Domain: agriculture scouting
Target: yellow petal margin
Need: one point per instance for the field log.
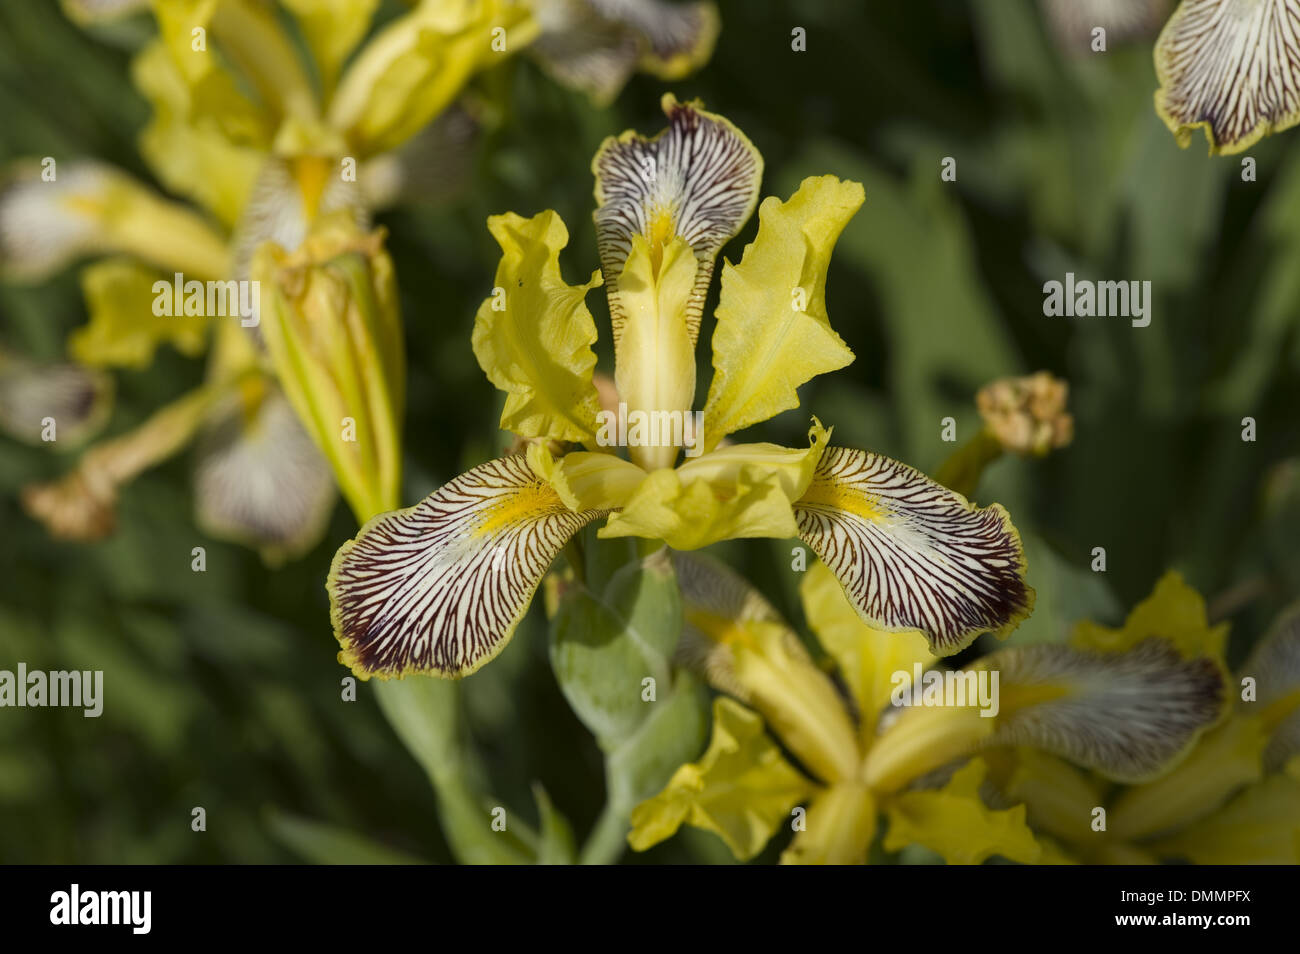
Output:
(439, 588)
(1232, 68)
(742, 789)
(773, 334)
(912, 554)
(957, 824)
(533, 334)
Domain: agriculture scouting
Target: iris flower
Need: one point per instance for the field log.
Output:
(1234, 799)
(264, 142)
(786, 734)
(1232, 68)
(439, 588)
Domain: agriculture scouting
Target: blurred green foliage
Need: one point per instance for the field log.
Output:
(222, 688)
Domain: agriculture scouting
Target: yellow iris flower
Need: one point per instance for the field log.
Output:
(440, 587)
(273, 147)
(889, 748)
(1234, 799)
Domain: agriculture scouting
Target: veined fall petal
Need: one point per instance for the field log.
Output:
(439, 588)
(596, 45)
(1232, 68)
(533, 335)
(773, 334)
(697, 180)
(912, 554)
(1128, 714)
(741, 788)
(259, 478)
(1072, 21)
(1274, 664)
(88, 208)
(77, 399)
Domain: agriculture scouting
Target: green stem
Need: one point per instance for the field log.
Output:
(608, 839)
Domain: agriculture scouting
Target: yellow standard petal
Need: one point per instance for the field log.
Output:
(533, 335)
(742, 789)
(868, 658)
(738, 492)
(697, 180)
(439, 588)
(416, 66)
(911, 554)
(957, 824)
(1232, 68)
(206, 140)
(773, 334)
(332, 29)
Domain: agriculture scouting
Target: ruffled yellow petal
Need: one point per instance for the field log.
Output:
(439, 588)
(911, 554)
(533, 336)
(773, 334)
(1174, 612)
(697, 180)
(868, 658)
(125, 329)
(1231, 67)
(1128, 715)
(741, 789)
(956, 823)
(416, 66)
(736, 492)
